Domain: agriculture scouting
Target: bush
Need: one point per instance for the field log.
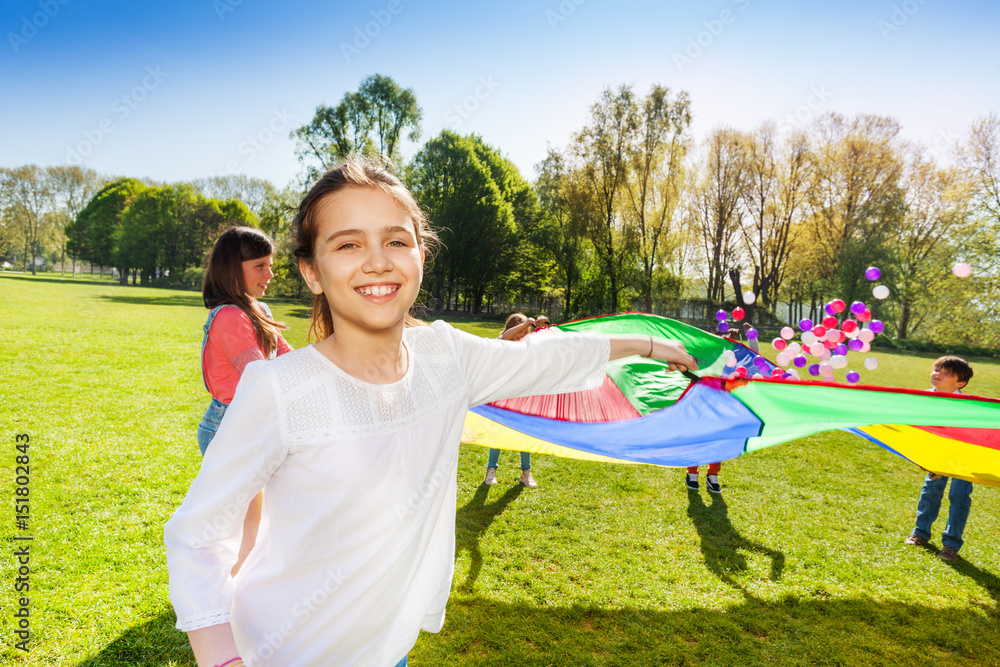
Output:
(936, 348)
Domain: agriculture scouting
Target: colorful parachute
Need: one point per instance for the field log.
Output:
(642, 414)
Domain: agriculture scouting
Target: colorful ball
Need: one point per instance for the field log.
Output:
(840, 349)
(858, 307)
(741, 371)
(856, 344)
(853, 377)
(872, 273)
(738, 313)
(866, 335)
(805, 324)
(849, 326)
(800, 361)
(962, 270)
(830, 322)
(864, 315)
(752, 334)
(833, 335)
(838, 361)
(876, 326)
(749, 297)
(779, 344)
(814, 369)
(783, 359)
(838, 306)
(808, 338)
(721, 316)
(723, 327)
(880, 292)
(871, 363)
(826, 369)
(787, 333)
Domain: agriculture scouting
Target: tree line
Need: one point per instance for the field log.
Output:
(632, 214)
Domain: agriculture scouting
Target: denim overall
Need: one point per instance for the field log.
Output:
(216, 409)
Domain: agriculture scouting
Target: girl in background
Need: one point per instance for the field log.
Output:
(240, 329)
(356, 441)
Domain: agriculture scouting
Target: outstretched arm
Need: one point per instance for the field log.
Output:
(213, 645)
(670, 351)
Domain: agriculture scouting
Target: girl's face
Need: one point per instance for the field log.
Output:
(257, 274)
(366, 260)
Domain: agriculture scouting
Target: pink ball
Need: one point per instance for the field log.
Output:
(849, 326)
(738, 313)
(838, 305)
(864, 315)
(830, 322)
(779, 344)
(962, 270)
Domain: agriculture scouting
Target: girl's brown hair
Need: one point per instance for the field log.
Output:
(360, 172)
(223, 281)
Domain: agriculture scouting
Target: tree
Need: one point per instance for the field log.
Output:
(30, 197)
(655, 178)
(600, 151)
(369, 122)
(774, 197)
(467, 207)
(72, 187)
(253, 192)
(93, 232)
(565, 240)
(715, 205)
(981, 155)
(855, 199)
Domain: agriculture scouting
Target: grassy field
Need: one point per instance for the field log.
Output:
(799, 562)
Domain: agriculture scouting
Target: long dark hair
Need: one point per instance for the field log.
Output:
(223, 281)
(362, 172)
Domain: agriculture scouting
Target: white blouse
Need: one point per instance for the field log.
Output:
(356, 547)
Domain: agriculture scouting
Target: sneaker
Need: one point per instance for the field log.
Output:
(916, 541)
(712, 482)
(491, 476)
(949, 553)
(527, 479)
(692, 481)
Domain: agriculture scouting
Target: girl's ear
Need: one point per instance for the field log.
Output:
(309, 274)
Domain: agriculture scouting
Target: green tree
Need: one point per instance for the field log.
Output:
(456, 186)
(93, 232)
(563, 236)
(30, 199)
(370, 121)
(72, 187)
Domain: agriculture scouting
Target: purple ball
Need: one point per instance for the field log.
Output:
(872, 273)
(814, 370)
(856, 344)
(723, 327)
(721, 316)
(752, 334)
(806, 324)
(853, 377)
(760, 362)
(840, 349)
(876, 326)
(800, 360)
(858, 307)
(829, 309)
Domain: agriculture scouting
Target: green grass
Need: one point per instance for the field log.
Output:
(800, 561)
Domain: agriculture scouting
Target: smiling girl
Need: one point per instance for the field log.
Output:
(355, 440)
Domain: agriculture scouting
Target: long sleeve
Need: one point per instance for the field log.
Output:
(543, 363)
(203, 536)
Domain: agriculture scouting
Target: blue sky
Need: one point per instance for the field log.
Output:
(181, 90)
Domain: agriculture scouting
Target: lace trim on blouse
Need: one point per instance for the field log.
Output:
(204, 621)
(241, 360)
(321, 402)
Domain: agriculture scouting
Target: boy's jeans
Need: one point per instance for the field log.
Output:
(958, 512)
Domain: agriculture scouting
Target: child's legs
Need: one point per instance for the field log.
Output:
(401, 663)
(959, 501)
(714, 468)
(929, 505)
(525, 460)
(692, 470)
(494, 458)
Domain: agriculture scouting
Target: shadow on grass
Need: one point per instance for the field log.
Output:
(721, 543)
(172, 300)
(155, 642)
(791, 631)
(471, 523)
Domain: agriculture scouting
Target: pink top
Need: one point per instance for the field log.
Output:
(232, 344)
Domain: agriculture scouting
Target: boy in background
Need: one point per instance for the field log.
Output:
(950, 374)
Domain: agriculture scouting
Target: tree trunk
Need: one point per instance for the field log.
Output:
(904, 321)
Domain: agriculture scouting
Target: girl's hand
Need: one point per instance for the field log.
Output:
(673, 352)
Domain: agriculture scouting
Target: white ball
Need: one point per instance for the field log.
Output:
(793, 348)
(865, 348)
(808, 338)
(794, 372)
(749, 297)
(729, 358)
(838, 361)
(833, 335)
(871, 363)
(880, 292)
(787, 333)
(817, 349)
(867, 335)
(783, 359)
